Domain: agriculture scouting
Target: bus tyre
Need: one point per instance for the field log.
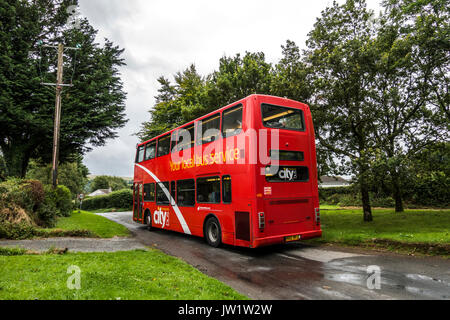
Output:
(213, 232)
(148, 221)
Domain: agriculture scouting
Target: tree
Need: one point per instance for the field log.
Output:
(106, 182)
(73, 175)
(410, 55)
(341, 61)
(92, 110)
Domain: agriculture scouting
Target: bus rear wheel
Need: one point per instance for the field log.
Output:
(148, 221)
(213, 232)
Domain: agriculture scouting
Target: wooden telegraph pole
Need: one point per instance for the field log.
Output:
(57, 128)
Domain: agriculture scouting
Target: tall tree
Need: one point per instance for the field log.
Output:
(192, 95)
(92, 110)
(342, 63)
(411, 55)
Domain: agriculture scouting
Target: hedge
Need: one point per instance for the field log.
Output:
(122, 199)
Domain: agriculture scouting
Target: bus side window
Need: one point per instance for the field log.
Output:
(186, 193)
(140, 154)
(208, 190)
(150, 151)
(184, 139)
(161, 197)
(232, 121)
(164, 146)
(208, 130)
(226, 189)
(149, 192)
(173, 191)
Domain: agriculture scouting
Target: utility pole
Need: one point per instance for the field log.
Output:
(57, 127)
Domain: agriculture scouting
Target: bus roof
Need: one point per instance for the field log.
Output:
(187, 124)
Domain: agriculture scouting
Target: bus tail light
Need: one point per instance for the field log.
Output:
(262, 220)
(317, 211)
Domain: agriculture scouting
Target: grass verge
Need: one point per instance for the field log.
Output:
(136, 275)
(414, 231)
(87, 224)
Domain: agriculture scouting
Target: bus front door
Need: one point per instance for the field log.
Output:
(137, 201)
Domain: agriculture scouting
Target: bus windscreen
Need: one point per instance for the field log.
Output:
(282, 118)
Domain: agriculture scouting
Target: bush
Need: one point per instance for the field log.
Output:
(25, 204)
(16, 231)
(118, 199)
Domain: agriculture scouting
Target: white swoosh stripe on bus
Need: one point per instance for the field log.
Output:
(174, 206)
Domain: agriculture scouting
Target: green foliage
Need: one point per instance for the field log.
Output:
(73, 175)
(16, 231)
(62, 199)
(93, 107)
(12, 252)
(117, 199)
(25, 204)
(106, 182)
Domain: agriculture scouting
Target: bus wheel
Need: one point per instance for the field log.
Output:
(148, 221)
(213, 232)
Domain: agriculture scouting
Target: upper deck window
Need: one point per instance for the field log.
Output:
(184, 139)
(232, 121)
(208, 130)
(164, 146)
(282, 118)
(140, 154)
(150, 150)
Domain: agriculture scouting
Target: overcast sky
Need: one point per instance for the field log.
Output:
(164, 37)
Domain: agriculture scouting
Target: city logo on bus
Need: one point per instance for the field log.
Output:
(161, 217)
(288, 174)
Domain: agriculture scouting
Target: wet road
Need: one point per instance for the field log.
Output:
(297, 271)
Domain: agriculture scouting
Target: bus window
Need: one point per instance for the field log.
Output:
(282, 118)
(186, 193)
(232, 121)
(184, 139)
(208, 130)
(173, 190)
(140, 154)
(161, 197)
(226, 189)
(208, 190)
(287, 155)
(164, 146)
(149, 192)
(150, 151)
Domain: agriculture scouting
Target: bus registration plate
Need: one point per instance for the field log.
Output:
(292, 238)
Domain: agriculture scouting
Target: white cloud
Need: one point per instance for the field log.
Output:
(162, 37)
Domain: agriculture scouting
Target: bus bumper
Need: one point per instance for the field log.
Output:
(267, 241)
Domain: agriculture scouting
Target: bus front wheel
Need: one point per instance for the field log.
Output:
(148, 221)
(213, 232)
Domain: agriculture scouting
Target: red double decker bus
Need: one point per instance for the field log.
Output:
(243, 175)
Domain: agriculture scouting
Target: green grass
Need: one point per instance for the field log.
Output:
(122, 275)
(111, 210)
(99, 226)
(428, 227)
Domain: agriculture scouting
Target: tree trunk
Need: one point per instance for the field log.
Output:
(16, 157)
(397, 193)
(366, 201)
